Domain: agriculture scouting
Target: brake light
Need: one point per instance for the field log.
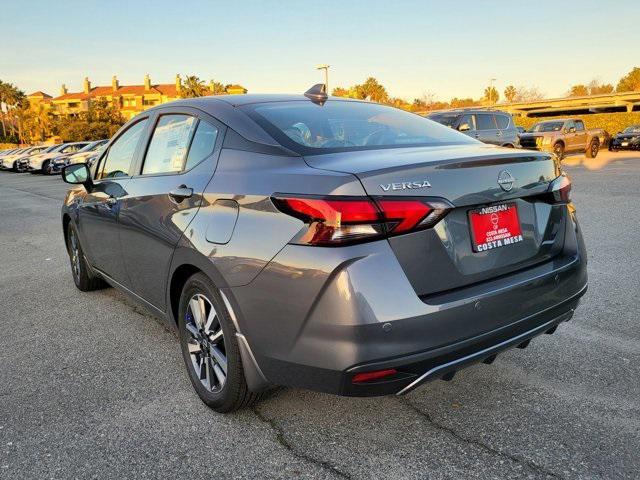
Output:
(335, 221)
(560, 189)
(375, 375)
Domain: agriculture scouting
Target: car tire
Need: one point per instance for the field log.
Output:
(45, 168)
(205, 326)
(594, 147)
(15, 167)
(558, 149)
(84, 279)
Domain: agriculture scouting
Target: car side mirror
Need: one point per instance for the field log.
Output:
(464, 127)
(78, 174)
(571, 130)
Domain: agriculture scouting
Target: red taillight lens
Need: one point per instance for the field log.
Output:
(341, 220)
(560, 189)
(376, 375)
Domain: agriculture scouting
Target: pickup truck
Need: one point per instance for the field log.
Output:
(562, 136)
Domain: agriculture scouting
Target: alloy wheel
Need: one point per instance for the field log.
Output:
(206, 343)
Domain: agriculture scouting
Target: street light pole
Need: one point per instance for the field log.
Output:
(326, 75)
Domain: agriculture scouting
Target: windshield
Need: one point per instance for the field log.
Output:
(92, 146)
(632, 129)
(308, 128)
(446, 119)
(547, 127)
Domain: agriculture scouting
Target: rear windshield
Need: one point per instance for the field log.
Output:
(309, 129)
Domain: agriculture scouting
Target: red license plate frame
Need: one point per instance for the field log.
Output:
(494, 226)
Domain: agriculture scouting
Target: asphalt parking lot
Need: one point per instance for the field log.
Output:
(92, 386)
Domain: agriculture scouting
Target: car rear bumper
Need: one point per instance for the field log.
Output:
(315, 323)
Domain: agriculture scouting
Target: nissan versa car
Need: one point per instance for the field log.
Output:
(324, 243)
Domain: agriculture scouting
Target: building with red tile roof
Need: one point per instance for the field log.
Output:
(130, 99)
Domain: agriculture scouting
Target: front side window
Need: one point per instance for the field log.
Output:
(308, 128)
(467, 123)
(569, 125)
(119, 156)
(485, 122)
(579, 126)
(169, 144)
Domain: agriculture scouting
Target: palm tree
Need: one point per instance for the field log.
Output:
(193, 87)
(216, 88)
(510, 93)
(491, 95)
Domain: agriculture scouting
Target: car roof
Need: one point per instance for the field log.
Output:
(226, 109)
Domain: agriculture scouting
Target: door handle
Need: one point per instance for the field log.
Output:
(111, 201)
(181, 193)
(477, 135)
(498, 134)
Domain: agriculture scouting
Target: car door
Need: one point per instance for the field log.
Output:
(506, 131)
(467, 125)
(581, 136)
(98, 213)
(164, 195)
(487, 129)
(570, 136)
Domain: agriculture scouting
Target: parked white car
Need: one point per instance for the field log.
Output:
(10, 162)
(40, 163)
(81, 156)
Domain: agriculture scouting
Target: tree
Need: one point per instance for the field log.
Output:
(510, 93)
(11, 99)
(524, 94)
(597, 88)
(371, 89)
(101, 120)
(578, 91)
(491, 95)
(193, 87)
(340, 92)
(462, 102)
(216, 88)
(630, 82)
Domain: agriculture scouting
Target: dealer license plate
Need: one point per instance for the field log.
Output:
(495, 226)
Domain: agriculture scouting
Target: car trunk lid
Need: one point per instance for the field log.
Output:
(478, 182)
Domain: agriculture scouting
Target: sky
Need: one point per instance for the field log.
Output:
(445, 48)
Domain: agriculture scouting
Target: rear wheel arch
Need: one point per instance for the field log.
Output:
(178, 278)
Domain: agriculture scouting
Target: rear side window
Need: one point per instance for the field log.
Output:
(117, 161)
(485, 121)
(179, 142)
(502, 121)
(202, 144)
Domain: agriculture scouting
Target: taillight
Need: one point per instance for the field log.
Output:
(375, 375)
(333, 221)
(560, 189)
